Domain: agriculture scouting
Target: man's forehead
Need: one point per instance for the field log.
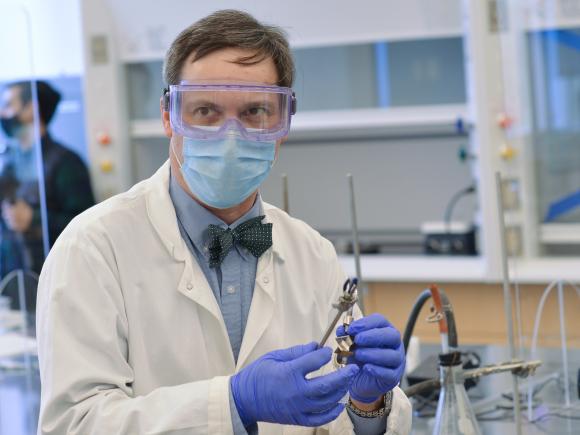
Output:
(225, 66)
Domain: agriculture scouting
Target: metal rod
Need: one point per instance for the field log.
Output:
(330, 328)
(521, 368)
(285, 200)
(25, 333)
(564, 343)
(519, 327)
(508, 300)
(22, 300)
(355, 242)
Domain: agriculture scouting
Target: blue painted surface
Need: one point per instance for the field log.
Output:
(382, 74)
(563, 206)
(568, 38)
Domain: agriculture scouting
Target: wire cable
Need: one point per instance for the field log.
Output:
(453, 202)
(417, 306)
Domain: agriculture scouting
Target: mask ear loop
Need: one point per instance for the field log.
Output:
(275, 160)
(175, 155)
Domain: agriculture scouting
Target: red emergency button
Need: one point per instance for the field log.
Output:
(504, 121)
(103, 138)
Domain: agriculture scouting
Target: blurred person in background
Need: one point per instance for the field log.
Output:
(66, 179)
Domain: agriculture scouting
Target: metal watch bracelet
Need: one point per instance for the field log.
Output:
(384, 411)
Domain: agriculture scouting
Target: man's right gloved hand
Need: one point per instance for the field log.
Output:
(274, 388)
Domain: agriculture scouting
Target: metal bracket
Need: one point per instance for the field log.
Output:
(345, 347)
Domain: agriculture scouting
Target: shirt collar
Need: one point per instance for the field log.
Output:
(195, 218)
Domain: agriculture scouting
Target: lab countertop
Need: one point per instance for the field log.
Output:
(464, 269)
(419, 268)
(19, 396)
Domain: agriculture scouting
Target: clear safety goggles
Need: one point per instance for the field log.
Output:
(211, 111)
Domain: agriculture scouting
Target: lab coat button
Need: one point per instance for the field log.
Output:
(265, 280)
(189, 286)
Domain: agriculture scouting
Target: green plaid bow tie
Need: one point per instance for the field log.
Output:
(253, 235)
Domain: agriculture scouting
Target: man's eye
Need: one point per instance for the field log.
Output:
(203, 111)
(257, 111)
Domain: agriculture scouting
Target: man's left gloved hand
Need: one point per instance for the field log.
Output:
(379, 353)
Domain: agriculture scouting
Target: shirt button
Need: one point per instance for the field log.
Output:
(231, 289)
(189, 286)
(205, 249)
(265, 280)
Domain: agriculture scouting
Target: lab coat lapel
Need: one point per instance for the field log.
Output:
(262, 307)
(192, 283)
(162, 215)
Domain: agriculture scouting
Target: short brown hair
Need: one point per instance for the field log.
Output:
(225, 29)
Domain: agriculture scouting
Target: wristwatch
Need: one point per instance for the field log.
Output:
(384, 411)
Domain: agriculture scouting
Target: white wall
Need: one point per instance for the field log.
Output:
(50, 30)
(146, 28)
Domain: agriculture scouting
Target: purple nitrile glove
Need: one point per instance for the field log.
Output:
(274, 388)
(379, 353)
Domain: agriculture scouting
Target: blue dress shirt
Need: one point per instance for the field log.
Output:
(232, 284)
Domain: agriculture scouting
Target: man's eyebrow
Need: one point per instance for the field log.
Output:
(249, 104)
(202, 102)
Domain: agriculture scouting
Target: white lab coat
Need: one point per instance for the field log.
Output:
(131, 338)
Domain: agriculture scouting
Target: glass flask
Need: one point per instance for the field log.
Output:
(454, 413)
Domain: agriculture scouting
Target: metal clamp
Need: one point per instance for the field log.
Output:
(344, 305)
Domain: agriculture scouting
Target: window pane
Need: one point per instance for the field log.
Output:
(335, 77)
(401, 73)
(144, 87)
(426, 72)
(555, 65)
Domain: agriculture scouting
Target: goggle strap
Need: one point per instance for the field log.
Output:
(293, 104)
(166, 99)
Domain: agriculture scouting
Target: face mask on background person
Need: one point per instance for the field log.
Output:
(11, 126)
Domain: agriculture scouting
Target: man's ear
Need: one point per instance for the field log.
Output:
(165, 119)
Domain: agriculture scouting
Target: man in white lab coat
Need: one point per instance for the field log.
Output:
(187, 305)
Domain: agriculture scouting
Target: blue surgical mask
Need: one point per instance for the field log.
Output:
(224, 172)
